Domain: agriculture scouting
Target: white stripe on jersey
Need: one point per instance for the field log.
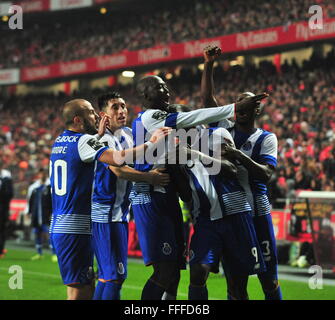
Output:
(100, 212)
(139, 198)
(71, 223)
(263, 205)
(235, 202)
(203, 178)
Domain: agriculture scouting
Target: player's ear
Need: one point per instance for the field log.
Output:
(145, 95)
(101, 114)
(77, 120)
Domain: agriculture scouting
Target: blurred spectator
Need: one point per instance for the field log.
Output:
(40, 210)
(302, 118)
(6, 195)
(42, 42)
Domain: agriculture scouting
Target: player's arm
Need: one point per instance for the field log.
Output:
(227, 167)
(90, 149)
(156, 119)
(266, 166)
(207, 116)
(262, 172)
(156, 177)
(211, 53)
(122, 157)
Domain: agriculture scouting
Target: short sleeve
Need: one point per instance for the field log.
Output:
(269, 150)
(90, 148)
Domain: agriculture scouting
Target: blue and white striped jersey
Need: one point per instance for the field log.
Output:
(110, 197)
(150, 120)
(261, 146)
(215, 196)
(72, 166)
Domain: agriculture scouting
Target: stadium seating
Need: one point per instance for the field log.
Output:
(45, 43)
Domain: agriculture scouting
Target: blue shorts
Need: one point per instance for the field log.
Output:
(75, 257)
(159, 224)
(267, 240)
(231, 239)
(110, 243)
(43, 228)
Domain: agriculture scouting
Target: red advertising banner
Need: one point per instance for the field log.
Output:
(280, 221)
(102, 1)
(16, 207)
(299, 32)
(34, 5)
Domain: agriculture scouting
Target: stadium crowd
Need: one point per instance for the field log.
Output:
(300, 111)
(102, 35)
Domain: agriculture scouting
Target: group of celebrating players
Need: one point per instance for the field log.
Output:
(94, 181)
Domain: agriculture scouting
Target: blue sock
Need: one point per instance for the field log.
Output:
(270, 276)
(197, 293)
(38, 243)
(99, 290)
(111, 291)
(152, 291)
(274, 294)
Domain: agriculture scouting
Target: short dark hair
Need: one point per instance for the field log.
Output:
(244, 95)
(104, 98)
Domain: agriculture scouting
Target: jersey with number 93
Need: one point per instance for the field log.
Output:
(72, 166)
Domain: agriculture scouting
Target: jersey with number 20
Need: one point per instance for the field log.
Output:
(72, 167)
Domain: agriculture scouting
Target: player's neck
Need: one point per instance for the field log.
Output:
(75, 129)
(248, 128)
(113, 129)
(163, 106)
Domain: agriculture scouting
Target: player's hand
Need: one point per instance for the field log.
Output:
(159, 177)
(103, 124)
(160, 134)
(250, 102)
(211, 53)
(230, 152)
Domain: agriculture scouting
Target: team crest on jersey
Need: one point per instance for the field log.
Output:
(120, 268)
(95, 144)
(160, 115)
(247, 146)
(167, 250)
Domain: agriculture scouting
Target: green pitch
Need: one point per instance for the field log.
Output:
(41, 281)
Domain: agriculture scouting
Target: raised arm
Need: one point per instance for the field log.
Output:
(211, 53)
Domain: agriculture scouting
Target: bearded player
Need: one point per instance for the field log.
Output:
(72, 165)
